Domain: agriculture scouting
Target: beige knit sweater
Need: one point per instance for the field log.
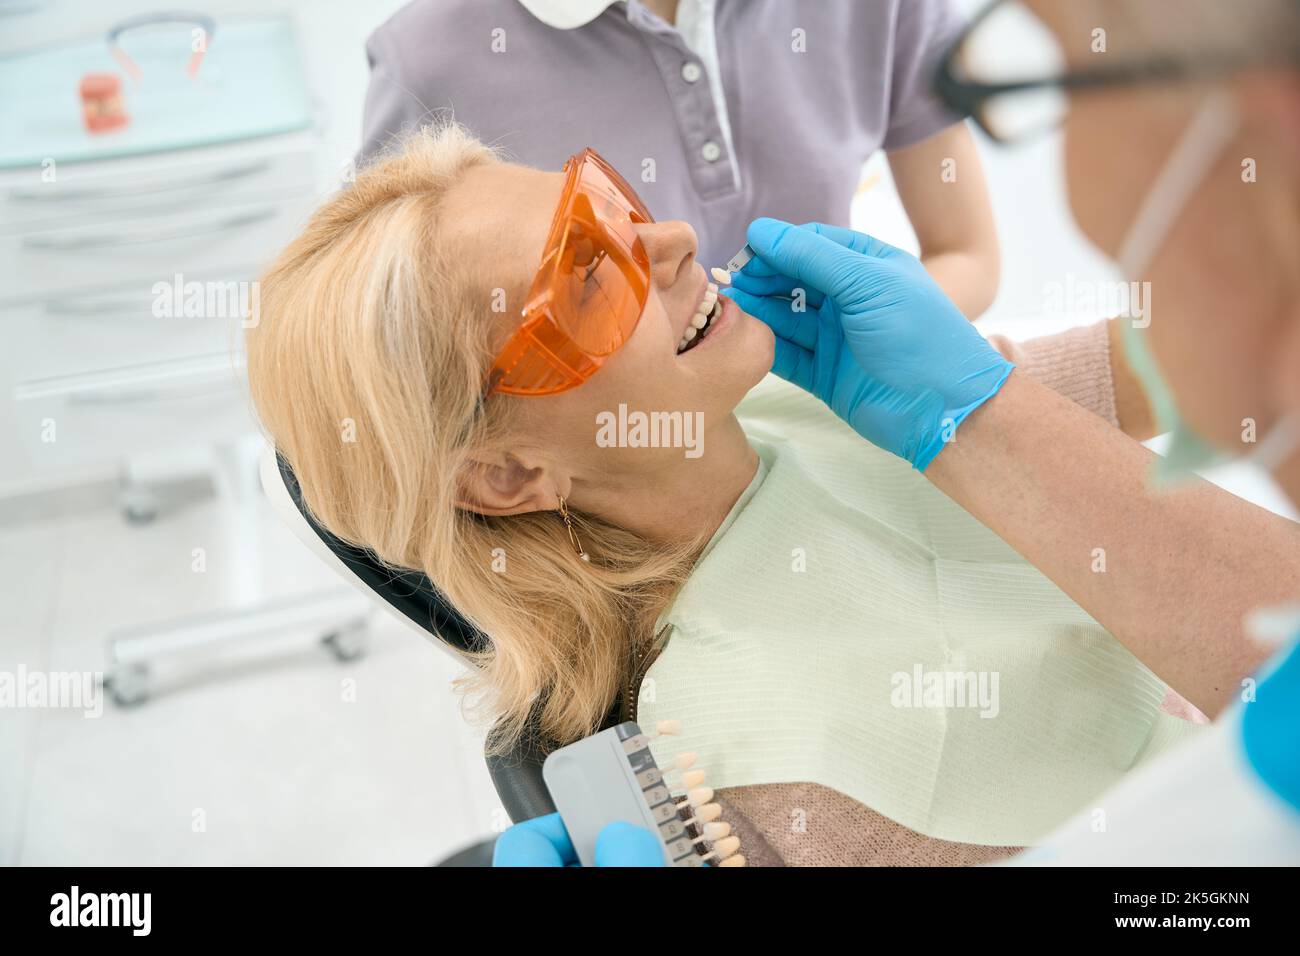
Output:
(806, 824)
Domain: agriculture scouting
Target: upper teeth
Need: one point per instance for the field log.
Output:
(701, 317)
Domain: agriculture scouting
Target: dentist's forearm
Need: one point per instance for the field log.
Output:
(968, 277)
(1181, 569)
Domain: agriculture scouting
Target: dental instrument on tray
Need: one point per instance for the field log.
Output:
(612, 776)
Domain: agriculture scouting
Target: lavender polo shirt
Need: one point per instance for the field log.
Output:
(808, 91)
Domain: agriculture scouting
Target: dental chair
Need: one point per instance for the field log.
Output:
(517, 775)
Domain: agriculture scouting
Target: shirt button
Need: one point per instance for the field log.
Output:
(711, 152)
(691, 72)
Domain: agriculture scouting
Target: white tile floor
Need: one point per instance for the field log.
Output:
(262, 746)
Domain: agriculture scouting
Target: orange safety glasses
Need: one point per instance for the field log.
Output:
(589, 291)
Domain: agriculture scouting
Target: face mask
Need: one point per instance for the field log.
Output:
(1188, 452)
(1204, 140)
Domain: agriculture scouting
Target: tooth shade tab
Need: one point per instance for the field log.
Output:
(715, 831)
(737, 262)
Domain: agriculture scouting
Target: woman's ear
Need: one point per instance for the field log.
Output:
(501, 484)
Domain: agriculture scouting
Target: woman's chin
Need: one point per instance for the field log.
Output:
(747, 360)
(758, 349)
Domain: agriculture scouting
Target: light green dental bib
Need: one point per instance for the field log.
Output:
(849, 625)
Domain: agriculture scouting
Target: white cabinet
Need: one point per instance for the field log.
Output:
(100, 359)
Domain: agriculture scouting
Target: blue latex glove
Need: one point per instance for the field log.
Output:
(1270, 725)
(543, 841)
(878, 341)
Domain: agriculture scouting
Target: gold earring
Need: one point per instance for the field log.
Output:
(573, 533)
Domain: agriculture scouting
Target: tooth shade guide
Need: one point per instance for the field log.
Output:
(721, 275)
(612, 775)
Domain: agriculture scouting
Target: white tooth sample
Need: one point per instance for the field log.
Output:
(691, 332)
(716, 831)
(708, 813)
(692, 779)
(699, 796)
(699, 320)
(721, 274)
(726, 846)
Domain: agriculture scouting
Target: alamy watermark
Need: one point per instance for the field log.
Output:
(635, 429)
(946, 690)
(1096, 298)
(52, 690)
(131, 911)
(179, 299)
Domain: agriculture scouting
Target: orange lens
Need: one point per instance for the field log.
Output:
(590, 291)
(602, 281)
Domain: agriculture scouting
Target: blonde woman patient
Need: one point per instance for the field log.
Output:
(669, 585)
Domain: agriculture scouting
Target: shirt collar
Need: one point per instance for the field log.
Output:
(567, 14)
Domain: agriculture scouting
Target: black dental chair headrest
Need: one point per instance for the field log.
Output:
(409, 592)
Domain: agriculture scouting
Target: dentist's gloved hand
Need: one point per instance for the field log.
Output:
(543, 841)
(878, 340)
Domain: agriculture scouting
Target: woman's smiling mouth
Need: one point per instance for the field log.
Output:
(701, 321)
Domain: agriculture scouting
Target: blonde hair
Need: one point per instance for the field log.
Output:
(366, 329)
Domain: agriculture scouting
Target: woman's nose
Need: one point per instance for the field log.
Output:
(671, 248)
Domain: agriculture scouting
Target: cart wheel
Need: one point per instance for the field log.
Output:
(139, 506)
(128, 685)
(349, 642)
